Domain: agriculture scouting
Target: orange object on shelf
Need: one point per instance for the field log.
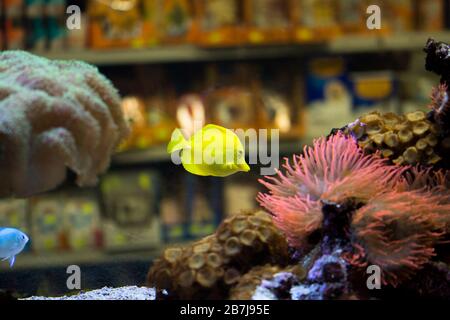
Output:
(431, 15)
(110, 27)
(176, 21)
(280, 105)
(134, 112)
(150, 125)
(151, 23)
(158, 124)
(314, 20)
(219, 22)
(351, 15)
(232, 108)
(401, 17)
(13, 25)
(230, 101)
(267, 21)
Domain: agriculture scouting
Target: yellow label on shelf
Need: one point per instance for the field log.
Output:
(327, 67)
(137, 43)
(215, 37)
(201, 229)
(176, 232)
(14, 220)
(87, 207)
(373, 88)
(120, 238)
(110, 183)
(144, 181)
(256, 37)
(163, 134)
(50, 219)
(79, 243)
(304, 34)
(49, 243)
(142, 142)
(152, 42)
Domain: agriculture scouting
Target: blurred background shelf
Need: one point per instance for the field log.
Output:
(30, 261)
(405, 41)
(191, 53)
(179, 53)
(159, 153)
(150, 155)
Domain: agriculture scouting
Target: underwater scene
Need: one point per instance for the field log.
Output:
(224, 150)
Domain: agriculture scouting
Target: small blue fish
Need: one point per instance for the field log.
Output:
(12, 242)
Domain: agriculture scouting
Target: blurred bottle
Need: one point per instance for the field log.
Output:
(56, 24)
(14, 27)
(35, 28)
(401, 15)
(430, 15)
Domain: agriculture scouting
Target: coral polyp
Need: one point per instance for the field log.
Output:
(397, 231)
(320, 167)
(408, 139)
(333, 170)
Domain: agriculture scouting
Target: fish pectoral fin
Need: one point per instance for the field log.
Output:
(6, 258)
(11, 261)
(230, 166)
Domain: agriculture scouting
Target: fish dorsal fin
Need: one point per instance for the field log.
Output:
(215, 127)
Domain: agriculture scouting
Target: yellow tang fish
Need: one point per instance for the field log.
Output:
(211, 151)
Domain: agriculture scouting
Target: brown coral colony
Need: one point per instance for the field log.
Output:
(403, 139)
(211, 266)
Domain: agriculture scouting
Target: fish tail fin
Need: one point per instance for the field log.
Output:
(11, 261)
(177, 141)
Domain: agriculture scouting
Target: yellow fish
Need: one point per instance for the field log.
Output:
(211, 151)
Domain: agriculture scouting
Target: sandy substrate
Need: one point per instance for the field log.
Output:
(124, 293)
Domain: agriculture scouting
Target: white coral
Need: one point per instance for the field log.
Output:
(54, 115)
